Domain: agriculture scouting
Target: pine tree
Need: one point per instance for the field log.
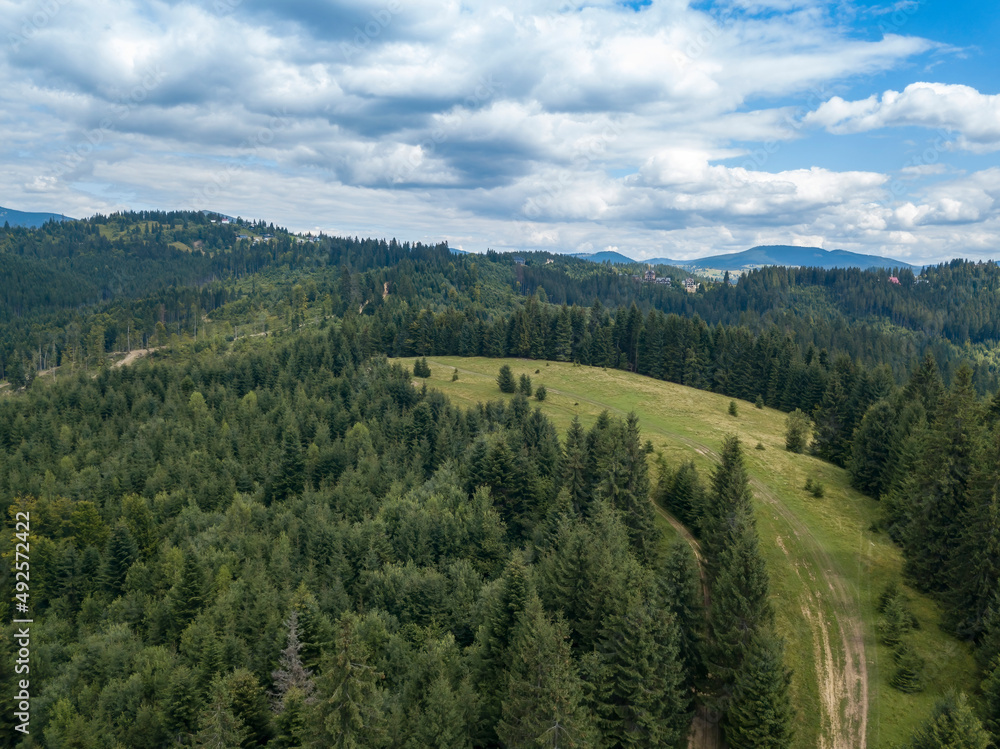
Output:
(952, 725)
(760, 713)
(290, 478)
(894, 623)
(543, 705)
(505, 380)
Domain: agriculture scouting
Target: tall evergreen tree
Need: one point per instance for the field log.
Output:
(729, 496)
(952, 725)
(348, 713)
(760, 714)
(543, 706)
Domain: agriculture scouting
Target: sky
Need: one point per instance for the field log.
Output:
(657, 128)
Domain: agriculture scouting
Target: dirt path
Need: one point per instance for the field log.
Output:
(838, 645)
(838, 641)
(131, 356)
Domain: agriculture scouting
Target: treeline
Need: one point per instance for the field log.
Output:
(289, 544)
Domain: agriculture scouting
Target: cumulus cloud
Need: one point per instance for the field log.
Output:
(975, 117)
(508, 123)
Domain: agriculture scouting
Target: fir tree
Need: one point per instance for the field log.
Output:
(189, 594)
(541, 393)
(760, 714)
(871, 453)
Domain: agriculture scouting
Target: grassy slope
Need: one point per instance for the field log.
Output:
(827, 568)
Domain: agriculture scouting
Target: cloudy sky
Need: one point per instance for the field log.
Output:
(662, 128)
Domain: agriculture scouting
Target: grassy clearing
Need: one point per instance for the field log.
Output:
(827, 568)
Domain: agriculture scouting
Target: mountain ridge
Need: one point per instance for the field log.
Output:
(786, 255)
(30, 219)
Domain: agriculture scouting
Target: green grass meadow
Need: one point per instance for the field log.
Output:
(827, 567)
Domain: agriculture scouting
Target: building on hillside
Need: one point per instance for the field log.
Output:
(893, 279)
(666, 280)
(650, 276)
(690, 285)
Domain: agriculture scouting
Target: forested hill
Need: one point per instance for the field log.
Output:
(268, 516)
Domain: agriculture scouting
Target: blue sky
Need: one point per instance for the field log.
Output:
(657, 128)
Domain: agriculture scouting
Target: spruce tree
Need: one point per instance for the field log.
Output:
(505, 380)
(730, 495)
(543, 705)
(740, 604)
(524, 386)
(121, 553)
(220, 726)
(908, 674)
(797, 428)
(871, 465)
(991, 700)
(954, 450)
(952, 725)
(640, 696)
(291, 674)
(760, 713)
(348, 712)
(683, 597)
(574, 467)
(189, 595)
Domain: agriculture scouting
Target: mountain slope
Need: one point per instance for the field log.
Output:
(23, 218)
(811, 257)
(827, 567)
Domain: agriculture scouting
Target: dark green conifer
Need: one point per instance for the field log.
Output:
(505, 380)
(952, 725)
(760, 714)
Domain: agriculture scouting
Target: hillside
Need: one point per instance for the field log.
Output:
(23, 218)
(827, 567)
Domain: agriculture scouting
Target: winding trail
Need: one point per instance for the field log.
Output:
(828, 605)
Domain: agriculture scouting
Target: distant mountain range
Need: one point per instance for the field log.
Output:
(810, 257)
(21, 218)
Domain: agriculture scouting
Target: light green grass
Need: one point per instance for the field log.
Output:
(810, 544)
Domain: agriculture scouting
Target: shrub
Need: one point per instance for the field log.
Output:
(541, 392)
(733, 411)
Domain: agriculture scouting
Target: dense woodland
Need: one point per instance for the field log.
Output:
(267, 536)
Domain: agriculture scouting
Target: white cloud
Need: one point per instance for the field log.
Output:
(491, 124)
(948, 107)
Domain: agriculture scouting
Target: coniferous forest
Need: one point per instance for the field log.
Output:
(265, 532)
